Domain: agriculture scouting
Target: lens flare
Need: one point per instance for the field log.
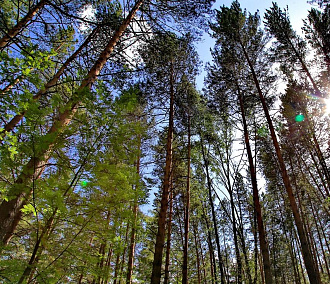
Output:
(299, 118)
(83, 183)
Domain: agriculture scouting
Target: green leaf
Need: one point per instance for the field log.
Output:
(28, 208)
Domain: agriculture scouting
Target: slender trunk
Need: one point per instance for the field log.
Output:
(313, 273)
(319, 173)
(116, 268)
(100, 262)
(262, 274)
(226, 254)
(132, 247)
(52, 82)
(102, 253)
(214, 217)
(296, 53)
(256, 201)
(320, 156)
(14, 31)
(212, 257)
(307, 168)
(292, 256)
(10, 211)
(246, 259)
(44, 234)
(123, 255)
(256, 253)
(211, 249)
(320, 241)
(197, 255)
(160, 238)
(237, 252)
(240, 233)
(168, 241)
(187, 219)
(133, 232)
(202, 257)
(107, 264)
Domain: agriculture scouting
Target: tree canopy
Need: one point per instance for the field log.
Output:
(116, 168)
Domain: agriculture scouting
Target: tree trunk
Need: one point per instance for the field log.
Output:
(212, 256)
(44, 234)
(18, 117)
(214, 217)
(237, 252)
(116, 268)
(160, 238)
(197, 255)
(168, 242)
(313, 273)
(123, 255)
(187, 215)
(202, 257)
(10, 211)
(256, 201)
(133, 232)
(13, 32)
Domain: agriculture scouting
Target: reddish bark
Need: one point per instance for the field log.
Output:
(10, 211)
(160, 238)
(14, 31)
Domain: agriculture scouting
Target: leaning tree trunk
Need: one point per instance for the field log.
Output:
(43, 236)
(14, 31)
(313, 273)
(256, 200)
(52, 82)
(10, 211)
(160, 238)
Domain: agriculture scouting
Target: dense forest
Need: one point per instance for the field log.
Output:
(116, 168)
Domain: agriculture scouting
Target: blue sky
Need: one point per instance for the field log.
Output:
(297, 10)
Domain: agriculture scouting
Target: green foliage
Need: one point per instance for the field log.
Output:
(82, 210)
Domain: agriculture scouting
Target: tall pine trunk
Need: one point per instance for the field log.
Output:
(214, 217)
(168, 241)
(160, 237)
(187, 219)
(313, 273)
(256, 201)
(133, 231)
(10, 211)
(198, 262)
